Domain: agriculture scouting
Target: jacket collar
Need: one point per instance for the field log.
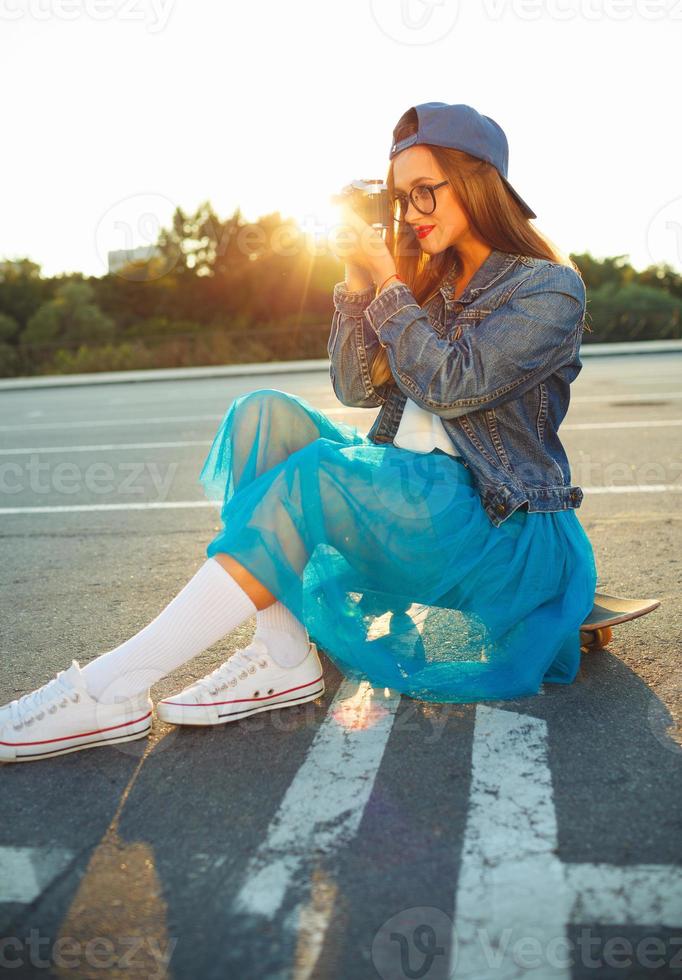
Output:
(494, 266)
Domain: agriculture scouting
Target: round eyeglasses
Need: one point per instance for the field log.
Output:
(421, 196)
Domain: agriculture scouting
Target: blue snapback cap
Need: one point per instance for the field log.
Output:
(461, 127)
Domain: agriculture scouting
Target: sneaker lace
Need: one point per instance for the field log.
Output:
(55, 694)
(243, 662)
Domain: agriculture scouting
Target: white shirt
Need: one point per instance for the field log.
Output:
(422, 431)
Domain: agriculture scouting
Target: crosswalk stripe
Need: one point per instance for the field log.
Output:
(26, 871)
(512, 887)
(510, 881)
(634, 893)
(324, 803)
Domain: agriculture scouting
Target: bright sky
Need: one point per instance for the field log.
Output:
(116, 111)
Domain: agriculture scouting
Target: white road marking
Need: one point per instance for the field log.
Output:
(322, 808)
(107, 447)
(637, 488)
(123, 422)
(511, 881)
(25, 872)
(617, 399)
(612, 895)
(84, 508)
(634, 424)
(512, 887)
(332, 410)
(180, 504)
(113, 446)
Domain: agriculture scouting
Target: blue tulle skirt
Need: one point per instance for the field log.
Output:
(389, 559)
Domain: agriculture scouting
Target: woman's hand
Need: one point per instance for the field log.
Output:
(359, 244)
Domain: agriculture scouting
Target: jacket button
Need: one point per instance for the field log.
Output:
(500, 508)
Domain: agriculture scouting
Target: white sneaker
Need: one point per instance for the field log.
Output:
(62, 716)
(249, 682)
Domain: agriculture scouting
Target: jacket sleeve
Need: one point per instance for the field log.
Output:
(537, 330)
(351, 347)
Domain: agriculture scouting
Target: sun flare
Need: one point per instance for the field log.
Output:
(317, 218)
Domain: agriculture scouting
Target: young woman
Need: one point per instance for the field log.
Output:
(439, 555)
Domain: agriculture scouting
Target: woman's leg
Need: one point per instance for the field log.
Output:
(258, 594)
(268, 426)
(260, 430)
(220, 596)
(208, 607)
(285, 636)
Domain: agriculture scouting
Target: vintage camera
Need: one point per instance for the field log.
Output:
(369, 199)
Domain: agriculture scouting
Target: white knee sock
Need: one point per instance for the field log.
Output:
(284, 635)
(210, 605)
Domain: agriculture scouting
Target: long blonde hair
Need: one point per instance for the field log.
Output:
(494, 216)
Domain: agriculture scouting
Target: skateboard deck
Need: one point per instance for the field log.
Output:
(608, 611)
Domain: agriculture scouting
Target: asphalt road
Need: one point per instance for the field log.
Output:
(363, 835)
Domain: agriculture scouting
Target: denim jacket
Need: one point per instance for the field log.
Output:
(495, 365)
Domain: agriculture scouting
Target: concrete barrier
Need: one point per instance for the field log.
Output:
(278, 367)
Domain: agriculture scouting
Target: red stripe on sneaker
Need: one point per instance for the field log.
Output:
(208, 704)
(96, 731)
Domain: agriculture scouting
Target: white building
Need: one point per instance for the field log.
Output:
(122, 256)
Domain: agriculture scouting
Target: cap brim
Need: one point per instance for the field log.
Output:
(528, 211)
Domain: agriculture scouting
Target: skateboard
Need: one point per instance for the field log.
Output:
(608, 611)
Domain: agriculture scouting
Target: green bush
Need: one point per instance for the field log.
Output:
(632, 312)
(71, 316)
(9, 327)
(9, 361)
(112, 357)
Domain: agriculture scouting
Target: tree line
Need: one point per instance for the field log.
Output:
(228, 291)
